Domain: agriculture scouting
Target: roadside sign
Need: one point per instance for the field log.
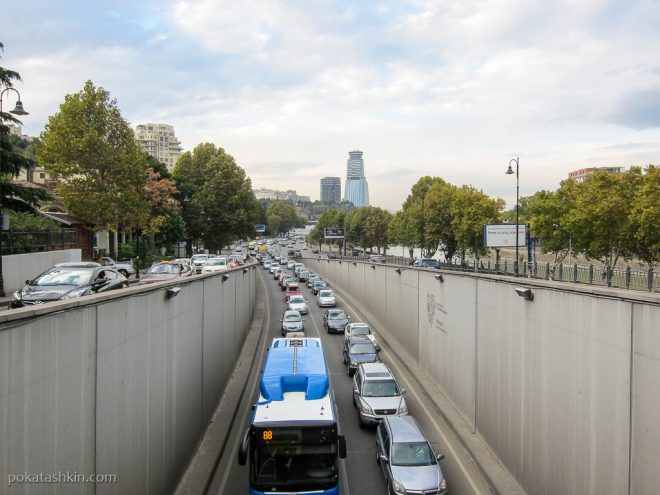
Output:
(333, 233)
(504, 235)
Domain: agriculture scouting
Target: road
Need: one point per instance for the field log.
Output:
(361, 474)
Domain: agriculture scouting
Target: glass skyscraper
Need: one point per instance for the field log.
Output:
(357, 189)
(331, 189)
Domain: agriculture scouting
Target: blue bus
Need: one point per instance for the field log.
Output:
(293, 444)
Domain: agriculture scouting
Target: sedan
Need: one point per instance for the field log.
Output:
(290, 265)
(361, 329)
(68, 281)
(335, 320)
(326, 298)
(292, 322)
(298, 303)
(318, 285)
(163, 271)
(215, 265)
(426, 263)
(358, 350)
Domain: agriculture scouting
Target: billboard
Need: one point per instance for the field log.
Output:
(333, 233)
(260, 228)
(504, 235)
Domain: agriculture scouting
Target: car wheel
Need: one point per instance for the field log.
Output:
(123, 272)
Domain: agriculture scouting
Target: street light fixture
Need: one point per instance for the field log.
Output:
(18, 110)
(509, 171)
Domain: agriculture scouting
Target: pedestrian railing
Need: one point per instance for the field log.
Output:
(19, 242)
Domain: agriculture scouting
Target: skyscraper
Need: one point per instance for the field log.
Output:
(331, 189)
(357, 189)
(160, 142)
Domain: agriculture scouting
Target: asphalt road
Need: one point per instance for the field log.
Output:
(361, 475)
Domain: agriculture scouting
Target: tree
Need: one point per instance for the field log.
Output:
(439, 225)
(417, 214)
(376, 227)
(281, 216)
(329, 218)
(92, 146)
(645, 213)
(401, 230)
(354, 227)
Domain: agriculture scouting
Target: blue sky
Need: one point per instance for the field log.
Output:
(423, 87)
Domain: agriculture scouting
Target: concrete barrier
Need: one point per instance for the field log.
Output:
(121, 383)
(564, 389)
(17, 268)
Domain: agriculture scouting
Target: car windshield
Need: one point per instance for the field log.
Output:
(200, 257)
(380, 388)
(296, 299)
(164, 268)
(360, 331)
(65, 276)
(218, 262)
(292, 318)
(412, 454)
(337, 316)
(363, 348)
(325, 293)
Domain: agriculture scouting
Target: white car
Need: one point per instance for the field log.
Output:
(291, 265)
(198, 261)
(298, 303)
(361, 329)
(215, 265)
(326, 298)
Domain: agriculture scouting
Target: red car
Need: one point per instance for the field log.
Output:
(292, 290)
(164, 270)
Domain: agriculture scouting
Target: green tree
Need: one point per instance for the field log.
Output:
(439, 225)
(646, 217)
(329, 218)
(281, 217)
(376, 228)
(354, 227)
(401, 231)
(103, 168)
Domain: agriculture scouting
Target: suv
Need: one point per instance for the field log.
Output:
(376, 394)
(407, 459)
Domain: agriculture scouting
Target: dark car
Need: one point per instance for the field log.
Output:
(318, 285)
(164, 270)
(335, 320)
(426, 263)
(358, 350)
(68, 281)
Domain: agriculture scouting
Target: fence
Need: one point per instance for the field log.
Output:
(17, 242)
(627, 278)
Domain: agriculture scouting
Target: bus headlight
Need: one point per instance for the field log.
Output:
(398, 488)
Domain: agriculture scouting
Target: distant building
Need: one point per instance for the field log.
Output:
(583, 173)
(275, 195)
(357, 188)
(160, 142)
(331, 189)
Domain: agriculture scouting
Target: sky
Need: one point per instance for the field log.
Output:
(454, 89)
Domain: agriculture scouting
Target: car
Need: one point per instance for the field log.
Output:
(426, 263)
(324, 257)
(318, 285)
(297, 267)
(286, 280)
(277, 272)
(291, 265)
(377, 258)
(326, 299)
(292, 321)
(68, 281)
(311, 278)
(407, 459)
(293, 289)
(297, 254)
(298, 303)
(358, 350)
(284, 261)
(215, 265)
(315, 251)
(290, 252)
(363, 330)
(163, 271)
(267, 264)
(273, 267)
(376, 394)
(125, 267)
(303, 275)
(335, 320)
(198, 261)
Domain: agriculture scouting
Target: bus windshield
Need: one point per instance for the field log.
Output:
(294, 458)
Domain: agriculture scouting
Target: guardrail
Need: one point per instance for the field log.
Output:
(19, 242)
(623, 278)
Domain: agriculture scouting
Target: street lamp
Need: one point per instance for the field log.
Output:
(509, 171)
(18, 110)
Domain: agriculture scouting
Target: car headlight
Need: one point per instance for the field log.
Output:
(354, 363)
(443, 485)
(398, 488)
(365, 409)
(403, 409)
(76, 293)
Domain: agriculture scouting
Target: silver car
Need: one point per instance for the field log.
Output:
(291, 265)
(292, 322)
(376, 393)
(298, 303)
(361, 329)
(326, 298)
(407, 459)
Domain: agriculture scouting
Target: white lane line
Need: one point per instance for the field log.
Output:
(431, 416)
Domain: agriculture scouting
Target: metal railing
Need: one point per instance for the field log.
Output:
(624, 278)
(19, 242)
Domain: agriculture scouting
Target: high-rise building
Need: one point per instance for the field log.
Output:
(331, 189)
(582, 174)
(160, 142)
(357, 189)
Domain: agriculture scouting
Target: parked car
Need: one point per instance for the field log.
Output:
(326, 299)
(318, 285)
(358, 350)
(363, 330)
(426, 263)
(376, 393)
(298, 303)
(292, 321)
(377, 258)
(125, 267)
(407, 459)
(198, 261)
(215, 265)
(68, 281)
(162, 271)
(335, 320)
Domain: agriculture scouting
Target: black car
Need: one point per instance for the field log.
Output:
(318, 285)
(68, 281)
(335, 320)
(358, 350)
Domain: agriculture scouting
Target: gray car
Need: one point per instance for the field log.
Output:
(335, 320)
(326, 298)
(292, 322)
(407, 459)
(376, 393)
(298, 303)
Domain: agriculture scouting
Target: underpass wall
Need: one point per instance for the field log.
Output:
(564, 389)
(121, 384)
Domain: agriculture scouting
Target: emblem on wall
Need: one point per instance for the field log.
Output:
(430, 306)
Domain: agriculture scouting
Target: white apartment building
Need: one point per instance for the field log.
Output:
(160, 142)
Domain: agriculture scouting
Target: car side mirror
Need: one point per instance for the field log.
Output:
(303, 319)
(28, 282)
(383, 458)
(280, 321)
(440, 457)
(342, 446)
(403, 391)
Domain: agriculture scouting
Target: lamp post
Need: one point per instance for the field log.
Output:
(509, 171)
(18, 110)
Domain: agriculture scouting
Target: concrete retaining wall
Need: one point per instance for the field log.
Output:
(564, 389)
(121, 383)
(17, 268)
